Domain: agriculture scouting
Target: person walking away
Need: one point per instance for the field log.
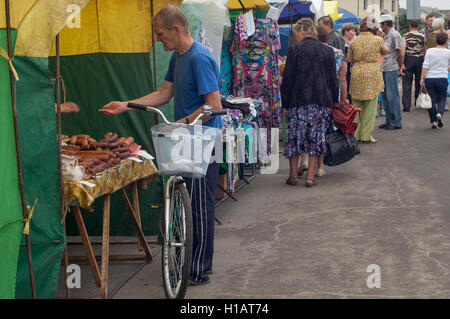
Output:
(414, 46)
(341, 74)
(335, 40)
(308, 91)
(348, 34)
(192, 80)
(367, 80)
(391, 65)
(429, 25)
(435, 78)
(438, 27)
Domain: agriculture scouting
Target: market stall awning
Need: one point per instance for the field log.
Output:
(347, 17)
(295, 10)
(112, 27)
(330, 8)
(248, 4)
(38, 22)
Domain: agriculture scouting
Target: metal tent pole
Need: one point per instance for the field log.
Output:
(155, 85)
(61, 180)
(19, 159)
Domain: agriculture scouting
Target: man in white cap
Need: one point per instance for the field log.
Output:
(392, 63)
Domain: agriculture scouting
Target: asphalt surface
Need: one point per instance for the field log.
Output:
(388, 207)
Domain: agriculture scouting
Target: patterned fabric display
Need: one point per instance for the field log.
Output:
(255, 66)
(226, 68)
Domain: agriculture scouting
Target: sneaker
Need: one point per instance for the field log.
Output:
(197, 283)
(439, 120)
(320, 172)
(304, 166)
(382, 112)
(434, 125)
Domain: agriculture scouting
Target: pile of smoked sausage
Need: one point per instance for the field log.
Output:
(95, 156)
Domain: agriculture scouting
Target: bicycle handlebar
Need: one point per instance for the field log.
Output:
(218, 112)
(137, 106)
(207, 111)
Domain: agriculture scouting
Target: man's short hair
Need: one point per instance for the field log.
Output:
(171, 15)
(389, 23)
(322, 35)
(414, 24)
(438, 23)
(327, 21)
(431, 15)
(347, 27)
(441, 38)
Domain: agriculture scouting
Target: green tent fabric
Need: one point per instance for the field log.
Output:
(37, 133)
(91, 81)
(11, 219)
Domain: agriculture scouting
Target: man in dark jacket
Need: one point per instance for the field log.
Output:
(335, 40)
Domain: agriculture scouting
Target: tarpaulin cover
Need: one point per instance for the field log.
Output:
(295, 10)
(106, 59)
(286, 40)
(330, 8)
(112, 26)
(91, 81)
(37, 132)
(347, 17)
(11, 219)
(248, 4)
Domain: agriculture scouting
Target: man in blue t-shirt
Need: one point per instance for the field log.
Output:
(193, 81)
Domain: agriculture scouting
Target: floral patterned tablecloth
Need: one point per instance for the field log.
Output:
(107, 182)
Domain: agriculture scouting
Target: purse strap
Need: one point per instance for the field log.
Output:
(330, 127)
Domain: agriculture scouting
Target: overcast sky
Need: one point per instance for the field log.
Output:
(440, 4)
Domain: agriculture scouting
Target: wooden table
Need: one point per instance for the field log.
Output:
(132, 208)
(101, 277)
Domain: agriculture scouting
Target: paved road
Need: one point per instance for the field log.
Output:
(389, 207)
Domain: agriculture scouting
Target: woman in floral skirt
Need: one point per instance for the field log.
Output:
(308, 91)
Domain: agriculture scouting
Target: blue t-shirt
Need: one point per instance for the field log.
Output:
(193, 74)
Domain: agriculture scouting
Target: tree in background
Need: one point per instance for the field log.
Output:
(402, 22)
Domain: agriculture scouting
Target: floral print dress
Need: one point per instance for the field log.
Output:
(365, 54)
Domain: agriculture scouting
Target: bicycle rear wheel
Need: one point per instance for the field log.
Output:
(177, 245)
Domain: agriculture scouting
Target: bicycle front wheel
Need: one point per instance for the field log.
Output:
(177, 245)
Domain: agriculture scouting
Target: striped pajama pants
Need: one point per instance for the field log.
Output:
(203, 200)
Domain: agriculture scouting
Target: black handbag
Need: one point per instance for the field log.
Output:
(341, 147)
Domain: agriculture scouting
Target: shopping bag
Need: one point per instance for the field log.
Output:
(341, 148)
(424, 100)
(343, 115)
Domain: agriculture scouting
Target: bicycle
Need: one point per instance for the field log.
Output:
(176, 253)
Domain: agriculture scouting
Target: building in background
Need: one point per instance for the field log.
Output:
(363, 8)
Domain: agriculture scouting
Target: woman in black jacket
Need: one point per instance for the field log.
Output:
(308, 92)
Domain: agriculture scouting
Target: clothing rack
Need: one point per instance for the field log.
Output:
(243, 182)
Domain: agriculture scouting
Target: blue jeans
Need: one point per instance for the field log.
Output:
(391, 99)
(437, 90)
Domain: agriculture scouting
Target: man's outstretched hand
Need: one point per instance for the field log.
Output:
(114, 108)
